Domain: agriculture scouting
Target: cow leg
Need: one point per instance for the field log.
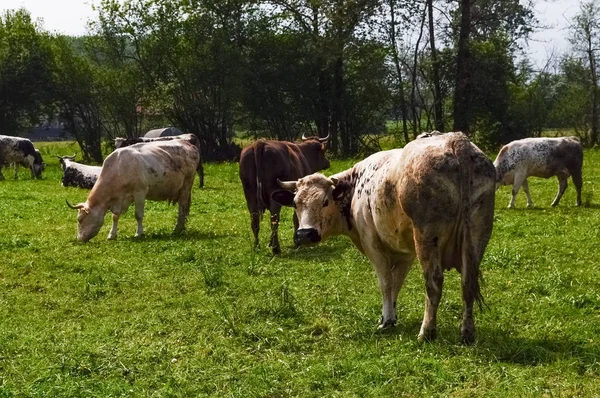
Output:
(577, 181)
(429, 256)
(391, 272)
(390, 285)
(562, 186)
(275, 210)
(518, 181)
(139, 216)
(255, 224)
(1, 175)
(184, 211)
(113, 230)
(200, 171)
(296, 224)
(16, 171)
(526, 189)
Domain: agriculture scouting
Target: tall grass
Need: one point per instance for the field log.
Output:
(203, 314)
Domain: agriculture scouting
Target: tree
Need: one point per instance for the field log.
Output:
(437, 90)
(585, 38)
(77, 98)
(25, 71)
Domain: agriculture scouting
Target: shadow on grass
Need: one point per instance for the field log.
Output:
(503, 346)
(308, 253)
(187, 235)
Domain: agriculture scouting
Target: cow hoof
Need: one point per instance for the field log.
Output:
(277, 250)
(430, 335)
(467, 333)
(111, 237)
(138, 235)
(467, 338)
(390, 323)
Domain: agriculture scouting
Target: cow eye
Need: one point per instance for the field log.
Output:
(326, 203)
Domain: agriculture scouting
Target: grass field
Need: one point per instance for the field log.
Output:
(202, 314)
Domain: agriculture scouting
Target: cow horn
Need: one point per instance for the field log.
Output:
(324, 139)
(288, 185)
(79, 206)
(304, 137)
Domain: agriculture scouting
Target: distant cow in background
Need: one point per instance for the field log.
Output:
(263, 162)
(162, 170)
(540, 157)
(20, 151)
(124, 142)
(77, 174)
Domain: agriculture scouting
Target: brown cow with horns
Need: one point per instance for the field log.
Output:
(433, 200)
(265, 161)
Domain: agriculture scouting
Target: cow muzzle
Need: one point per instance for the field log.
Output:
(306, 236)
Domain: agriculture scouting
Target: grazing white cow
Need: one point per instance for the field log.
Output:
(540, 157)
(77, 174)
(20, 151)
(162, 170)
(433, 200)
(124, 142)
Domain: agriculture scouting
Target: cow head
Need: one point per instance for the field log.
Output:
(63, 161)
(313, 149)
(319, 203)
(38, 164)
(89, 220)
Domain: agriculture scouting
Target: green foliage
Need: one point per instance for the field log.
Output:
(202, 314)
(25, 72)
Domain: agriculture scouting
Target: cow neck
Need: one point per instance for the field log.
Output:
(345, 205)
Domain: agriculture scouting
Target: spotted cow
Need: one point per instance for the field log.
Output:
(540, 157)
(433, 200)
(20, 151)
(77, 174)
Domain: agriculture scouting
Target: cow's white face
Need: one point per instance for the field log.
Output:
(89, 222)
(317, 207)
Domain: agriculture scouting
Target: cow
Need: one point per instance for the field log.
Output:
(433, 200)
(124, 142)
(540, 157)
(265, 161)
(20, 151)
(162, 170)
(77, 174)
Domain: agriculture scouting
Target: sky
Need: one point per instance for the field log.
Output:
(70, 17)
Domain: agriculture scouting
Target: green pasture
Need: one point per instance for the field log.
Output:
(202, 314)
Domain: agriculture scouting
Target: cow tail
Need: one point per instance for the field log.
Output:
(470, 271)
(258, 152)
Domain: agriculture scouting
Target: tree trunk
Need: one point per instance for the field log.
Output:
(396, 59)
(594, 89)
(461, 93)
(437, 91)
(413, 97)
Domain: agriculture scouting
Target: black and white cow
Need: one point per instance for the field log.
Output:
(77, 174)
(540, 157)
(20, 151)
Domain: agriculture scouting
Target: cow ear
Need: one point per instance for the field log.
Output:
(283, 197)
(340, 190)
